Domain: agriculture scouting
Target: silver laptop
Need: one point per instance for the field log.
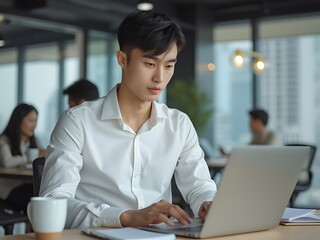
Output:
(253, 193)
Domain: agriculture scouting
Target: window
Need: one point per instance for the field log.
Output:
(9, 85)
(232, 87)
(71, 68)
(98, 61)
(293, 75)
(41, 85)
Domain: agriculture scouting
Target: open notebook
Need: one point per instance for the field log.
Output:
(253, 193)
(300, 216)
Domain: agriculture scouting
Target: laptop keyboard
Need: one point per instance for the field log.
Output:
(192, 229)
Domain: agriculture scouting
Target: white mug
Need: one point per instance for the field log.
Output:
(47, 216)
(32, 154)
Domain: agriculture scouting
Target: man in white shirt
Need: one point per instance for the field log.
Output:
(114, 158)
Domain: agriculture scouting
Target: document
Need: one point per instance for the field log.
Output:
(128, 234)
(299, 216)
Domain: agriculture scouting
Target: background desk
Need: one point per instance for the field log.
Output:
(16, 173)
(216, 165)
(278, 233)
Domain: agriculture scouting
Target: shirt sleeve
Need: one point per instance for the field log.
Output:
(7, 160)
(192, 173)
(61, 176)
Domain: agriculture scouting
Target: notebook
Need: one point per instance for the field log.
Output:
(253, 193)
(127, 233)
(299, 216)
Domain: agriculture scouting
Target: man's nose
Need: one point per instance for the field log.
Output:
(158, 75)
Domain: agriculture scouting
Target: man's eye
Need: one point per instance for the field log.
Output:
(169, 66)
(150, 64)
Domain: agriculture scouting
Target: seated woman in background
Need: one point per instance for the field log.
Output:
(15, 141)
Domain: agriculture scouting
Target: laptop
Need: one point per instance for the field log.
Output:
(253, 193)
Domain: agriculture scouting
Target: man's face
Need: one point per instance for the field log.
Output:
(256, 125)
(145, 75)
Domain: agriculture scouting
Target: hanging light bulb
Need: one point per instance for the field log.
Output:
(238, 58)
(258, 65)
(145, 5)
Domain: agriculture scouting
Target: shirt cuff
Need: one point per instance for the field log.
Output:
(110, 217)
(201, 199)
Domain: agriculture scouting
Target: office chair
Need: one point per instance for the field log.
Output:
(37, 168)
(9, 215)
(305, 179)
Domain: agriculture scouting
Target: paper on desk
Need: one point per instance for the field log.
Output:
(128, 234)
(299, 215)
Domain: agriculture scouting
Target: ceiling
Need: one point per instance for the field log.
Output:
(20, 23)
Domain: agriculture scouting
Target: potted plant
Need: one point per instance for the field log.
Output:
(188, 98)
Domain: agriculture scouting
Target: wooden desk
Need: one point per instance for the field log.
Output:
(16, 173)
(278, 233)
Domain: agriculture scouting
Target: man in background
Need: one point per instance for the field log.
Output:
(261, 135)
(80, 91)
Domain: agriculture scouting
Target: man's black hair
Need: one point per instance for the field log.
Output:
(259, 114)
(149, 31)
(82, 89)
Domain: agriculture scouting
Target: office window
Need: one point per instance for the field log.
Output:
(98, 61)
(9, 85)
(232, 87)
(114, 66)
(41, 84)
(71, 67)
(291, 47)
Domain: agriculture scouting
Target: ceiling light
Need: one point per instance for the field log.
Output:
(258, 65)
(145, 5)
(240, 57)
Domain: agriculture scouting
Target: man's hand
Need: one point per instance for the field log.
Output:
(204, 208)
(223, 152)
(155, 213)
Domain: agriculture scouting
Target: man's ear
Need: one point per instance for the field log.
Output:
(122, 59)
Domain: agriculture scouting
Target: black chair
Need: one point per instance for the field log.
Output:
(305, 179)
(37, 167)
(9, 215)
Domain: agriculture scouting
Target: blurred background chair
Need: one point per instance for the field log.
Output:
(37, 167)
(9, 216)
(305, 178)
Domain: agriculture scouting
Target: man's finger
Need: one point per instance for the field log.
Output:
(178, 213)
(166, 220)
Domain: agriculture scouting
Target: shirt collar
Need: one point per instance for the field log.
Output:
(111, 110)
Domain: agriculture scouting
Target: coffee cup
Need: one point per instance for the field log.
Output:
(47, 217)
(32, 154)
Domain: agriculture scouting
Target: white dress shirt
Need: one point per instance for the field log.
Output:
(104, 168)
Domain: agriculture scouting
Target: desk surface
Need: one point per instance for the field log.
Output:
(217, 162)
(17, 173)
(278, 233)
